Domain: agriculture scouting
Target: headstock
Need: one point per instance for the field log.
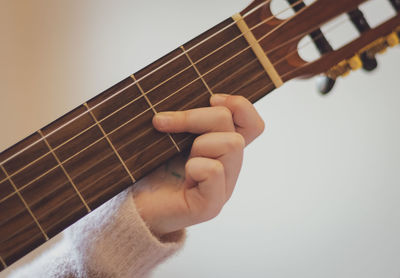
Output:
(279, 39)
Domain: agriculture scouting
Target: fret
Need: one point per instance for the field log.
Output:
(2, 264)
(55, 176)
(159, 84)
(67, 136)
(6, 190)
(35, 171)
(163, 156)
(126, 107)
(5, 186)
(25, 204)
(197, 70)
(19, 233)
(115, 98)
(224, 45)
(152, 108)
(54, 201)
(2, 175)
(65, 172)
(111, 144)
(21, 157)
(98, 160)
(201, 47)
(258, 51)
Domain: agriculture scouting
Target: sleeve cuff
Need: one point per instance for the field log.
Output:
(114, 241)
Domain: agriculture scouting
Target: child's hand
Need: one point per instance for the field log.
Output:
(176, 195)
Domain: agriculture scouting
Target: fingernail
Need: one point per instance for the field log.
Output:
(162, 119)
(218, 99)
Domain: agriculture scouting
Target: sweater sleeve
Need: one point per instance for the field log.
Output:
(112, 241)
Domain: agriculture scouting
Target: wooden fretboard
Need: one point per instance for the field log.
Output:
(65, 170)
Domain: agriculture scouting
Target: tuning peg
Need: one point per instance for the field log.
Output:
(357, 17)
(396, 4)
(325, 84)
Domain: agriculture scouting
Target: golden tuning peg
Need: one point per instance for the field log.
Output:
(392, 39)
(344, 67)
(355, 62)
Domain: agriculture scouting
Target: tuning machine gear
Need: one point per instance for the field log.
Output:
(395, 4)
(325, 83)
(357, 18)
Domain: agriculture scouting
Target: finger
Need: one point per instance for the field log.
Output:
(200, 120)
(205, 188)
(245, 117)
(227, 147)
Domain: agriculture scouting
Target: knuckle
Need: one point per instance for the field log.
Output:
(196, 146)
(237, 101)
(223, 114)
(215, 168)
(235, 141)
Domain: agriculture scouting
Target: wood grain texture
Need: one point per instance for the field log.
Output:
(19, 234)
(225, 63)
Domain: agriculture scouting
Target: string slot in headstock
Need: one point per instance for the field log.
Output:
(395, 4)
(357, 17)
(325, 83)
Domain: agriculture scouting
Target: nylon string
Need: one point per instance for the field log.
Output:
(124, 123)
(181, 108)
(163, 65)
(119, 109)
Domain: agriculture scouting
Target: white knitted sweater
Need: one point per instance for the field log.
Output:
(112, 241)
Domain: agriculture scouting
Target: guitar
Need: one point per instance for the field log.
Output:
(91, 154)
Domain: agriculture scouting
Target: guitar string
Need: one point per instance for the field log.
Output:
(139, 169)
(150, 73)
(180, 142)
(172, 147)
(249, 97)
(254, 94)
(131, 120)
(327, 31)
(193, 100)
(114, 112)
(119, 127)
(131, 140)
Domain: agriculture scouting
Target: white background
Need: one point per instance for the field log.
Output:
(319, 193)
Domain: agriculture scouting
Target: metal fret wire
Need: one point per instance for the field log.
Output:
(279, 61)
(65, 173)
(128, 104)
(130, 120)
(254, 94)
(160, 155)
(127, 143)
(111, 144)
(155, 70)
(3, 262)
(26, 205)
(114, 112)
(197, 70)
(153, 108)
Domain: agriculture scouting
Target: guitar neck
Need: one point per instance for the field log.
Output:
(65, 170)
